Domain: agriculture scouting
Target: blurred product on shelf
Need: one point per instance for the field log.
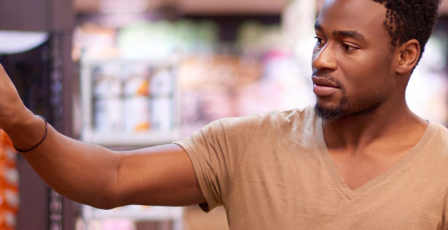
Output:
(162, 88)
(123, 96)
(9, 181)
(107, 93)
(136, 104)
(118, 97)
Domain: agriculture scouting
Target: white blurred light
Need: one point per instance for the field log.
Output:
(17, 41)
(123, 6)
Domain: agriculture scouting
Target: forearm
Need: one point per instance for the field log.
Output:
(82, 172)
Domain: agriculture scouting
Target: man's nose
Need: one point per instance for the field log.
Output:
(324, 59)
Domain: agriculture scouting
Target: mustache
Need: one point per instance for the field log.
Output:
(328, 78)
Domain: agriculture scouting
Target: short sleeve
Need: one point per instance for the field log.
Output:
(215, 152)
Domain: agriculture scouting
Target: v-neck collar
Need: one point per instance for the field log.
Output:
(334, 174)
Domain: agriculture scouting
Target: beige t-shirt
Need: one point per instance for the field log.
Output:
(273, 171)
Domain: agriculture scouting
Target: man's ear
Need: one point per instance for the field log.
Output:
(408, 56)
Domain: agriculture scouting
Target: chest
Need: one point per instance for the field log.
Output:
(358, 169)
(289, 189)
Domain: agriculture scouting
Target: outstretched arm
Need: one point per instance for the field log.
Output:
(93, 175)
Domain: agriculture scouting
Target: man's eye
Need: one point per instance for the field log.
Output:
(320, 41)
(348, 48)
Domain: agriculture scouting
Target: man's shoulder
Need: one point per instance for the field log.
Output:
(296, 120)
(440, 136)
(283, 122)
(297, 115)
(441, 128)
(274, 117)
(437, 144)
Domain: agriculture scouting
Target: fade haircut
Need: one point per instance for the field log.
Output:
(410, 19)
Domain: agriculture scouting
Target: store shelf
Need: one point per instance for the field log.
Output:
(138, 213)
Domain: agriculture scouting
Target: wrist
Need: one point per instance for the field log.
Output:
(38, 144)
(27, 131)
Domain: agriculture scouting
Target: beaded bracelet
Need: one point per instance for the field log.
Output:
(46, 132)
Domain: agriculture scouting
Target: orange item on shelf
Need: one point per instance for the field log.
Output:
(9, 182)
(7, 220)
(143, 89)
(143, 127)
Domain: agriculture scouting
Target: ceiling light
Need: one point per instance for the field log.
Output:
(17, 41)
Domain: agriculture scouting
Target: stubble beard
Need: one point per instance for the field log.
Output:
(364, 107)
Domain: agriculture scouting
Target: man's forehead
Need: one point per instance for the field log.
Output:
(352, 15)
(355, 3)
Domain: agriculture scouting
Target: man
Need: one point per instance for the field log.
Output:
(359, 160)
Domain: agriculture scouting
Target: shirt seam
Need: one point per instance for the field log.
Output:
(200, 177)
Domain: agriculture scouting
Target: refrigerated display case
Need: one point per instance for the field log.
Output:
(129, 103)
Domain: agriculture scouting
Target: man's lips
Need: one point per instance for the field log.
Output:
(324, 82)
(323, 87)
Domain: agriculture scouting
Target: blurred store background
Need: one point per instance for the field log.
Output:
(127, 74)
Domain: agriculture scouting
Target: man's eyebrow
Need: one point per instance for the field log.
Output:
(350, 33)
(346, 33)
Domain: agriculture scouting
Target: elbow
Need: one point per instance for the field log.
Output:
(97, 199)
(105, 202)
(110, 196)
(106, 199)
(112, 193)
(104, 206)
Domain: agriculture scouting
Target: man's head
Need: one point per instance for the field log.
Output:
(366, 51)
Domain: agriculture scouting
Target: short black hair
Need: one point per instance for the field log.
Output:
(410, 19)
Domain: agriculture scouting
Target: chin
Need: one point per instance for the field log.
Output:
(328, 112)
(328, 102)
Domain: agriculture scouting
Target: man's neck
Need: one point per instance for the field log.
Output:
(390, 123)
